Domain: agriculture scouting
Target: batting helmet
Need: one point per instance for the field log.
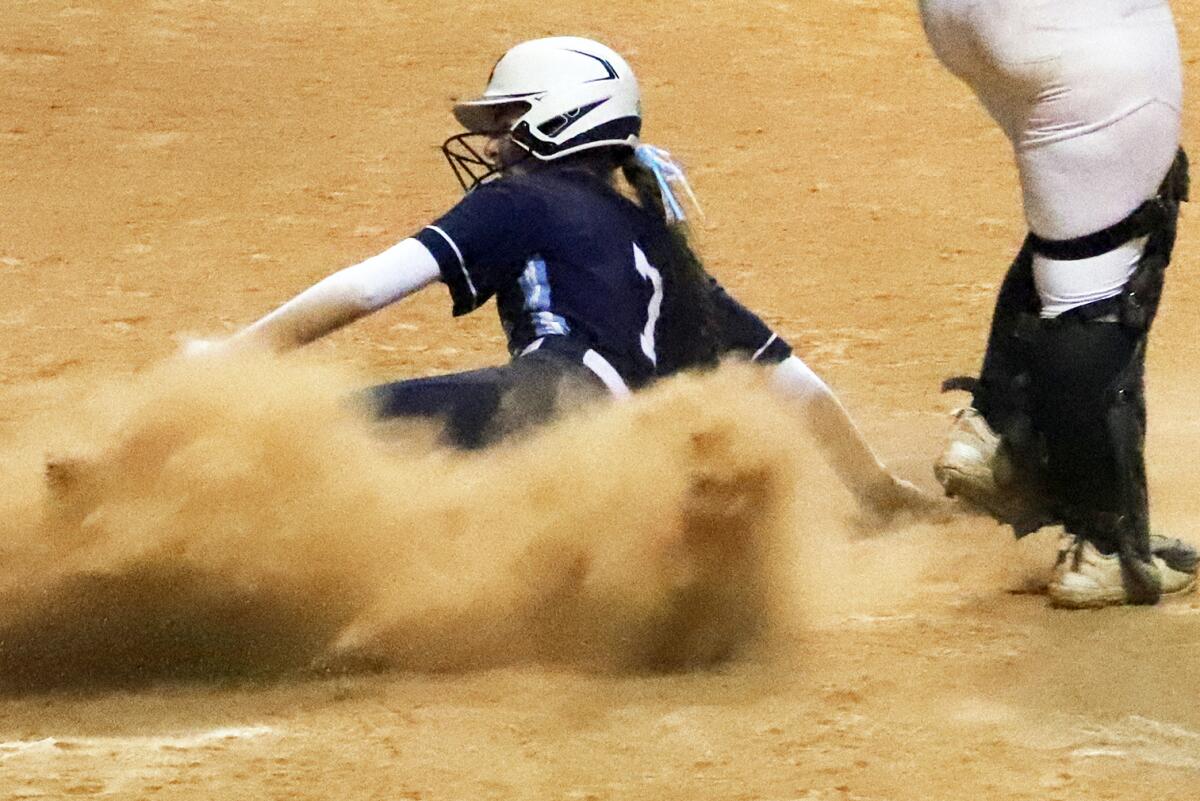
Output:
(569, 94)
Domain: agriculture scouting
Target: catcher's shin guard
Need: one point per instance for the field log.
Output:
(993, 457)
(1088, 406)
(1000, 393)
(1122, 520)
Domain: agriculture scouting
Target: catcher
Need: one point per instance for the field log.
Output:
(1088, 93)
(598, 295)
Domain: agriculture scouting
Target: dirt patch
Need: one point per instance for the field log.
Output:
(179, 168)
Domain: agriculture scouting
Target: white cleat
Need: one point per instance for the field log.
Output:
(973, 468)
(1085, 578)
(967, 465)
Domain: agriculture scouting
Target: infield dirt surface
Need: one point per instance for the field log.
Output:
(174, 168)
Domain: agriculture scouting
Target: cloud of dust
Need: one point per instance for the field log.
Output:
(853, 564)
(847, 570)
(243, 517)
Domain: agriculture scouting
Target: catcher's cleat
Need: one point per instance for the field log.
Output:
(974, 469)
(1085, 578)
(966, 467)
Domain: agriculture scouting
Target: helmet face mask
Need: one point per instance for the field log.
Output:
(465, 153)
(567, 95)
(473, 155)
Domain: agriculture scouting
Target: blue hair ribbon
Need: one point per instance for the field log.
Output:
(669, 174)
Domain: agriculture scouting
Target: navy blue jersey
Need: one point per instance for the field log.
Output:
(565, 256)
(741, 331)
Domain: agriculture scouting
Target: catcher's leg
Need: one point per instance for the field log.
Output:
(994, 442)
(1089, 403)
(1099, 473)
(992, 457)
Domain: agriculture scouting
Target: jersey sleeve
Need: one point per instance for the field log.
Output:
(483, 242)
(741, 331)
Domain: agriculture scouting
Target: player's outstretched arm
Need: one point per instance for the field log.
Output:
(875, 487)
(338, 300)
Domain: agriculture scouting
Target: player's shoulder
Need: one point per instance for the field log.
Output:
(554, 180)
(553, 199)
(506, 198)
(548, 182)
(542, 190)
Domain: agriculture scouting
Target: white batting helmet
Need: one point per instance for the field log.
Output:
(577, 95)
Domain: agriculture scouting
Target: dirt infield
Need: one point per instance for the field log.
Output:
(171, 168)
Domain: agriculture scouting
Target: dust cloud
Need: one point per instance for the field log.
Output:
(244, 517)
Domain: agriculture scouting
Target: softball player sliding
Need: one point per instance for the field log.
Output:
(598, 295)
(1088, 93)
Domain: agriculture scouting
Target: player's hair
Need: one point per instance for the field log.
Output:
(687, 333)
(687, 326)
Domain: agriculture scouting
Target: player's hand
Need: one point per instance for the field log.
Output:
(896, 500)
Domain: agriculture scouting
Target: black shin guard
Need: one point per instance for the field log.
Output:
(1088, 405)
(1000, 393)
(1126, 425)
